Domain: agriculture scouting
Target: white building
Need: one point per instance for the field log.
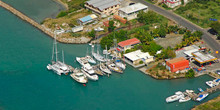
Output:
(130, 12)
(77, 28)
(172, 3)
(137, 56)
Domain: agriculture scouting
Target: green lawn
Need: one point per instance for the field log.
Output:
(210, 105)
(200, 11)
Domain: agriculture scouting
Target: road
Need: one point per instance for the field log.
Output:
(183, 22)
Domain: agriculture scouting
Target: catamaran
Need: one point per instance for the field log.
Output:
(56, 65)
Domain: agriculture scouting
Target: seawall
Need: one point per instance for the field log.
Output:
(38, 26)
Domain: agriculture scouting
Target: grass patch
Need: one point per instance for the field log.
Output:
(200, 12)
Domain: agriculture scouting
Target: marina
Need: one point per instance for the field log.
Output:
(26, 79)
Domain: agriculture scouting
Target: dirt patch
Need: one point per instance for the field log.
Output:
(171, 40)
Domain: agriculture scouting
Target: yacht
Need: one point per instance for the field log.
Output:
(184, 99)
(79, 77)
(202, 97)
(82, 61)
(120, 64)
(175, 97)
(114, 68)
(90, 74)
(104, 68)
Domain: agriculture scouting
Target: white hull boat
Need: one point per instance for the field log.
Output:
(79, 77)
(90, 59)
(202, 97)
(114, 68)
(210, 83)
(184, 99)
(91, 76)
(104, 68)
(175, 97)
(121, 65)
(98, 57)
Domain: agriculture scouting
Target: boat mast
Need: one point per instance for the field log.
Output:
(63, 55)
(55, 43)
(52, 52)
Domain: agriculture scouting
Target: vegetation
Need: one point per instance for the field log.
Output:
(189, 38)
(216, 27)
(111, 26)
(73, 5)
(92, 33)
(166, 53)
(200, 11)
(190, 74)
(213, 104)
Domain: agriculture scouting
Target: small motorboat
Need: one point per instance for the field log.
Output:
(175, 97)
(184, 99)
(200, 89)
(90, 74)
(120, 64)
(210, 83)
(202, 97)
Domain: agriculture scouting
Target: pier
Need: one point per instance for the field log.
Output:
(208, 90)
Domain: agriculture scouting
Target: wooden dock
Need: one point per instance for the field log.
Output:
(194, 96)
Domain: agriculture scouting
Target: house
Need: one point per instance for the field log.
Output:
(137, 56)
(101, 7)
(77, 28)
(130, 12)
(172, 3)
(87, 19)
(177, 64)
(128, 44)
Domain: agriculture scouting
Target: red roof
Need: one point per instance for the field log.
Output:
(129, 42)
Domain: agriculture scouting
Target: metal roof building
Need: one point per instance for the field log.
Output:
(133, 8)
(102, 4)
(87, 19)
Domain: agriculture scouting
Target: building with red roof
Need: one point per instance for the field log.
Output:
(128, 44)
(172, 3)
(177, 64)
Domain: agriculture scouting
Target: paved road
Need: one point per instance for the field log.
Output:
(183, 22)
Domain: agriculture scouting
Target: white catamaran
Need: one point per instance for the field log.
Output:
(56, 65)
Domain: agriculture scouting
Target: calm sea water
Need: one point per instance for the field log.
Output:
(37, 9)
(27, 85)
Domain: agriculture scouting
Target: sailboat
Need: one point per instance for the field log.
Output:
(56, 65)
(97, 56)
(89, 58)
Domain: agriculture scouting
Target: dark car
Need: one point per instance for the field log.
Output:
(213, 32)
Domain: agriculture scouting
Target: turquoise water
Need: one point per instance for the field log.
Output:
(27, 85)
(37, 9)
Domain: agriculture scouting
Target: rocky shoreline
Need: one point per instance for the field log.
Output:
(73, 40)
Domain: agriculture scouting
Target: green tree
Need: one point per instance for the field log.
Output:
(111, 26)
(190, 74)
(92, 33)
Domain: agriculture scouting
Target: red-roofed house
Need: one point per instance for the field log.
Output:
(128, 44)
(172, 3)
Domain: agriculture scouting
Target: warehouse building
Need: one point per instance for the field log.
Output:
(177, 64)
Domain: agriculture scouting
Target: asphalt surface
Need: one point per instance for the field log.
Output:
(185, 23)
